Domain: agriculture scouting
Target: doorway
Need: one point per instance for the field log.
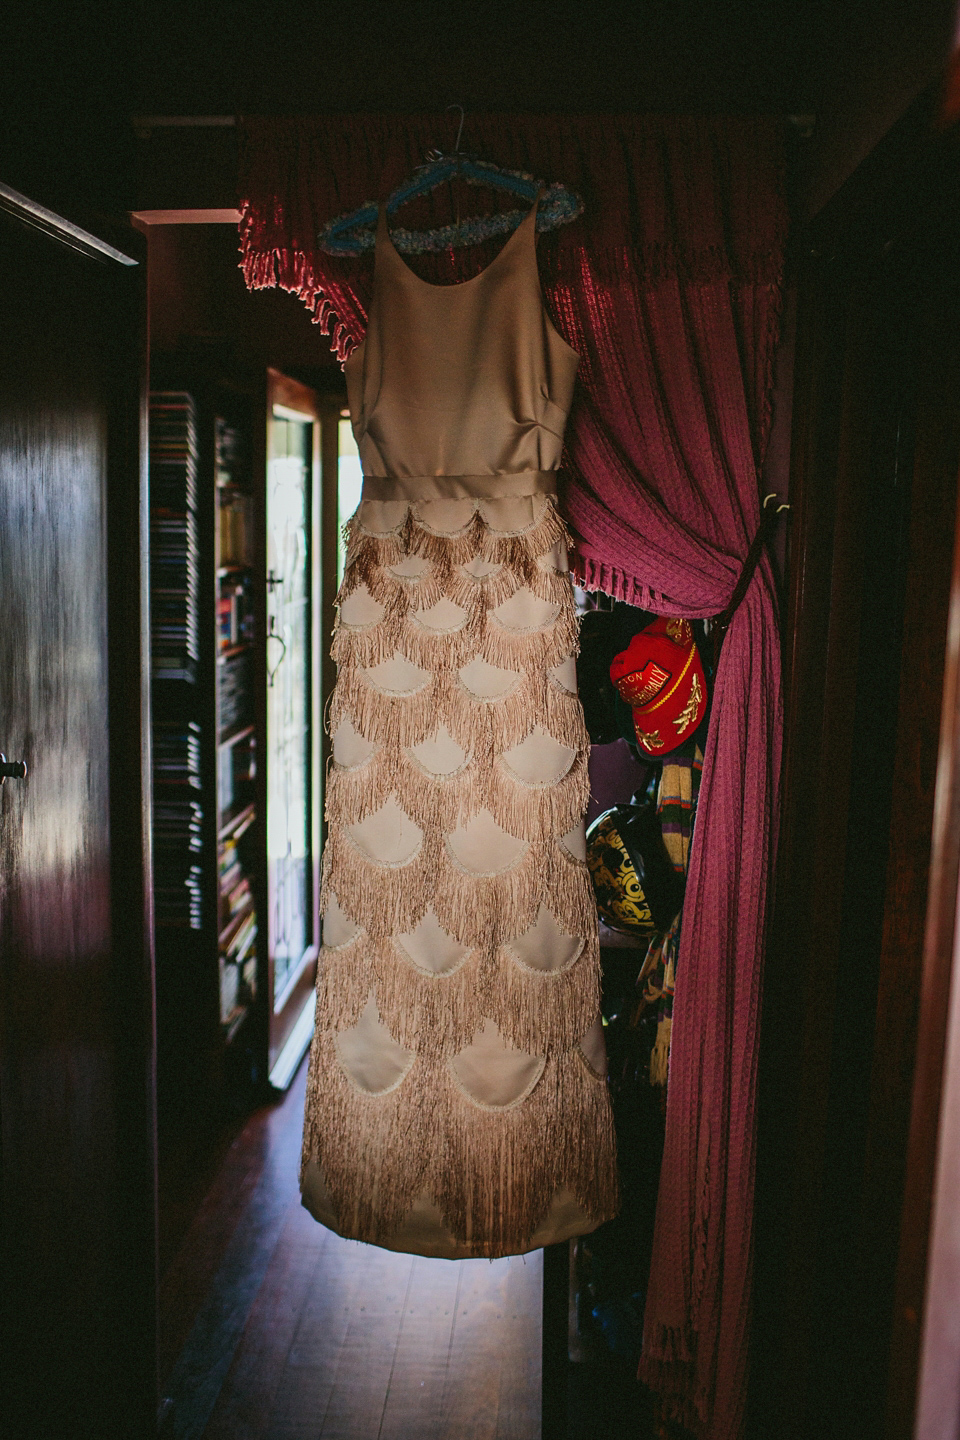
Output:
(270, 1324)
(294, 701)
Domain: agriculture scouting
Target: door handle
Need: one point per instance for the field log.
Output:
(12, 769)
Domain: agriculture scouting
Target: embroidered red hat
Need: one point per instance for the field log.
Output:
(661, 677)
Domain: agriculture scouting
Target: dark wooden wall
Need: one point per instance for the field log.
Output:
(876, 448)
(77, 1209)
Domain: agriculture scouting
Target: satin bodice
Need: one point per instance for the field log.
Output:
(468, 382)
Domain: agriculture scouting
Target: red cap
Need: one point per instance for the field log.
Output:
(661, 676)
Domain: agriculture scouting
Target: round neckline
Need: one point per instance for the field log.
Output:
(460, 284)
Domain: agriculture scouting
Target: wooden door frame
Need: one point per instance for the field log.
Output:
(282, 390)
(131, 816)
(923, 1397)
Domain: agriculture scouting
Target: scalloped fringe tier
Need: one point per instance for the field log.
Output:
(398, 593)
(480, 635)
(491, 1173)
(528, 812)
(475, 540)
(534, 1011)
(476, 909)
(408, 719)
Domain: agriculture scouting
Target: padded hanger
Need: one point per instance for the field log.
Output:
(355, 233)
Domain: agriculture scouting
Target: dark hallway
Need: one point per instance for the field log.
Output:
(273, 1328)
(177, 461)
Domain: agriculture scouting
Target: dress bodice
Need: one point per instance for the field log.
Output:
(469, 382)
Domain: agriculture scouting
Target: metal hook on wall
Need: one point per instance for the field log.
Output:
(773, 496)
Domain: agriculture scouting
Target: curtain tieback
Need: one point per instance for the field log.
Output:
(720, 623)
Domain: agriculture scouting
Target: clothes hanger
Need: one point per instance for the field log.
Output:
(355, 233)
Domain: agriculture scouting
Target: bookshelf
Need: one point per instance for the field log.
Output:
(206, 477)
(243, 575)
(235, 733)
(174, 646)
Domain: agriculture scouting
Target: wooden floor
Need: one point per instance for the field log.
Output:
(273, 1328)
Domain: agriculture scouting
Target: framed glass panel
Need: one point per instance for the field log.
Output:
(289, 684)
(349, 483)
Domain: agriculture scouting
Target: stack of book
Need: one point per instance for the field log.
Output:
(236, 546)
(177, 822)
(229, 867)
(238, 965)
(231, 462)
(235, 893)
(234, 694)
(238, 933)
(234, 613)
(173, 535)
(231, 471)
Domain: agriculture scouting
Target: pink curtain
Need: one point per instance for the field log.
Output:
(669, 289)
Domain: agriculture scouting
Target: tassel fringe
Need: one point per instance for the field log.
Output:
(408, 719)
(442, 1013)
(492, 1173)
(447, 550)
(529, 812)
(401, 593)
(475, 909)
(480, 634)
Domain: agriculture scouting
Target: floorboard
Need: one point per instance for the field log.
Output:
(269, 1141)
(471, 1401)
(247, 1400)
(415, 1396)
(520, 1374)
(274, 1328)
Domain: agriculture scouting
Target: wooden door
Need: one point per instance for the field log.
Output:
(923, 1392)
(77, 1215)
(874, 491)
(294, 706)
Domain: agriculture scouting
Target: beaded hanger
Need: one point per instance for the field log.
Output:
(355, 233)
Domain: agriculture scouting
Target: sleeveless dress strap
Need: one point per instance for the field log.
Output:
(383, 231)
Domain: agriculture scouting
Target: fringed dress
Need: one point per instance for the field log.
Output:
(456, 1101)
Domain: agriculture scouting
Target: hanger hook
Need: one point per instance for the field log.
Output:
(456, 148)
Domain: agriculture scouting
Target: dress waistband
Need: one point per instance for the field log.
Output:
(459, 487)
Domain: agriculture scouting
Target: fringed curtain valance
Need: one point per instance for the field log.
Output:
(669, 289)
(664, 196)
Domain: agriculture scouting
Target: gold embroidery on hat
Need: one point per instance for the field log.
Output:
(664, 698)
(690, 709)
(679, 631)
(642, 685)
(649, 742)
